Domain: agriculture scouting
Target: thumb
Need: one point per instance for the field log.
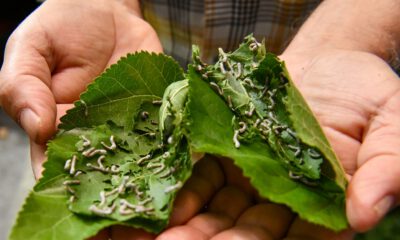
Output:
(375, 187)
(25, 85)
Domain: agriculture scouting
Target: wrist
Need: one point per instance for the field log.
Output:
(354, 25)
(132, 5)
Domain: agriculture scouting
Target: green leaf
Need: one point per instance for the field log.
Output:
(283, 163)
(122, 89)
(311, 133)
(45, 217)
(108, 165)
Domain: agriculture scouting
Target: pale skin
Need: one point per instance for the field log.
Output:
(341, 71)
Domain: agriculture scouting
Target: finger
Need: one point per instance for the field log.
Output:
(274, 218)
(102, 235)
(25, 84)
(301, 229)
(244, 233)
(61, 111)
(128, 233)
(230, 201)
(234, 176)
(38, 157)
(142, 38)
(182, 233)
(197, 191)
(202, 226)
(211, 223)
(375, 187)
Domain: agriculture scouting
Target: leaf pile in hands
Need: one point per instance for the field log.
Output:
(123, 151)
(245, 107)
(109, 164)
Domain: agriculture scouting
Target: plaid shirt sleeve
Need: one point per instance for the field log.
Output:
(223, 23)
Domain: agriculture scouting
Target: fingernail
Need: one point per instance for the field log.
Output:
(384, 205)
(30, 122)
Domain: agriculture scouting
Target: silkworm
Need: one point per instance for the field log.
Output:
(157, 102)
(70, 190)
(160, 167)
(125, 211)
(77, 173)
(114, 169)
(72, 198)
(85, 106)
(255, 125)
(166, 174)
(71, 182)
(140, 209)
(239, 70)
(249, 82)
(223, 55)
(235, 139)
(266, 123)
(230, 101)
(309, 183)
(297, 150)
(313, 153)
(293, 176)
(97, 151)
(272, 117)
(145, 201)
(217, 88)
(103, 170)
(99, 161)
(147, 157)
(138, 192)
(243, 127)
(112, 142)
(166, 154)
(86, 141)
(271, 101)
(174, 187)
(112, 192)
(73, 162)
(253, 46)
(103, 199)
(124, 202)
(144, 115)
(121, 187)
(221, 66)
(67, 164)
(86, 152)
(250, 112)
(170, 140)
(290, 131)
(105, 211)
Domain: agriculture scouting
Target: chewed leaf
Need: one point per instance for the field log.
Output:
(108, 165)
(268, 135)
(119, 92)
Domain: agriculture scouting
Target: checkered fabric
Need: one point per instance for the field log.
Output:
(223, 23)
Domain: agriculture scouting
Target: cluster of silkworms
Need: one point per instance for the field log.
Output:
(128, 184)
(267, 124)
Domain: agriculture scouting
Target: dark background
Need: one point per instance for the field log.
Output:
(12, 12)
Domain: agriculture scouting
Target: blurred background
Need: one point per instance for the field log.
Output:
(16, 177)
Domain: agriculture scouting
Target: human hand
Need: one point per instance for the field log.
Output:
(356, 97)
(60, 48)
(218, 203)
